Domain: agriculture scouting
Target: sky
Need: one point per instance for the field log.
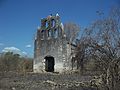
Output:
(19, 19)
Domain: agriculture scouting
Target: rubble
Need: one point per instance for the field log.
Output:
(45, 81)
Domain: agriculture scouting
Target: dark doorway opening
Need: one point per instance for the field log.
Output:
(49, 63)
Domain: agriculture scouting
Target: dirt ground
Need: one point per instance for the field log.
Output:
(44, 81)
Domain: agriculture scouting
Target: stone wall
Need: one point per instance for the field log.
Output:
(51, 41)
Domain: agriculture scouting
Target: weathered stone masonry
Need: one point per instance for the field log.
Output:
(50, 42)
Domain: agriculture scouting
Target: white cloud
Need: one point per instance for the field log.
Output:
(11, 49)
(28, 46)
(24, 53)
(15, 50)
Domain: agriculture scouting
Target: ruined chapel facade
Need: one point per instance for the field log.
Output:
(52, 53)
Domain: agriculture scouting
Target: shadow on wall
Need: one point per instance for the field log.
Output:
(49, 63)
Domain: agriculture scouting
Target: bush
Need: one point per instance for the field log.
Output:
(13, 62)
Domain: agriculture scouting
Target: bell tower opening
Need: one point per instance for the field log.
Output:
(49, 63)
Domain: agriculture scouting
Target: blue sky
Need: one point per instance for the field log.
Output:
(19, 19)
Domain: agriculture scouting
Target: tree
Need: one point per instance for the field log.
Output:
(11, 61)
(71, 30)
(14, 62)
(102, 41)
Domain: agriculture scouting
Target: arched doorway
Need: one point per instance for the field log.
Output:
(49, 63)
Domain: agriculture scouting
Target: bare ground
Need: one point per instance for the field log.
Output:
(44, 81)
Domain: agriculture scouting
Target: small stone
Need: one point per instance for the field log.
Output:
(13, 88)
